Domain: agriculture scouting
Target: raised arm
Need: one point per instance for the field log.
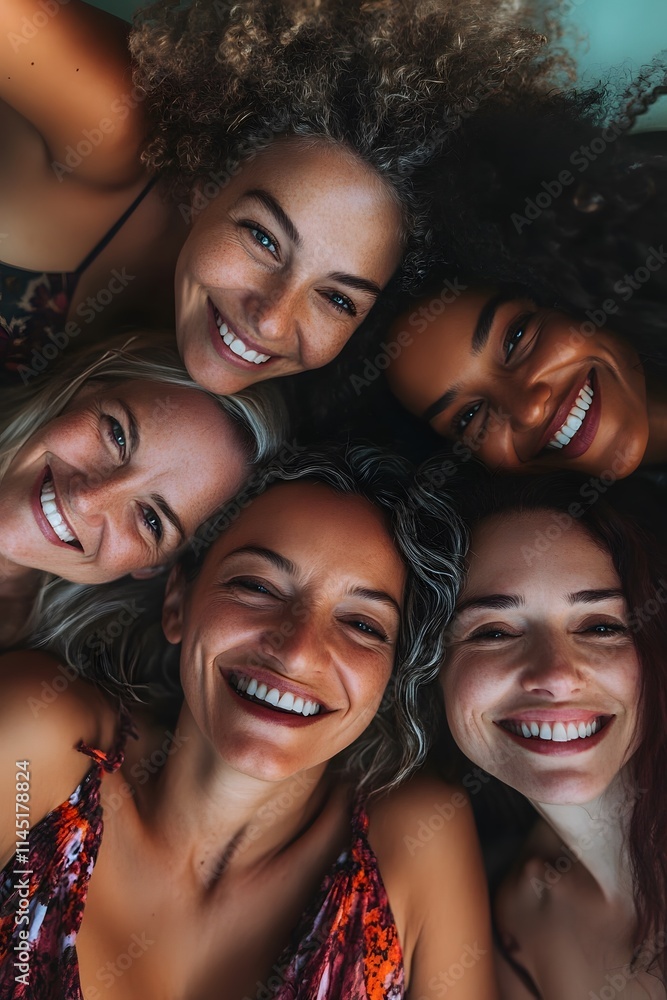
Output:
(65, 67)
(432, 869)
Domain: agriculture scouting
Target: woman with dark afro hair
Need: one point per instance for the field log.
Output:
(553, 353)
(270, 153)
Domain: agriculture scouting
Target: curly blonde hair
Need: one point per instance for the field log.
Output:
(390, 79)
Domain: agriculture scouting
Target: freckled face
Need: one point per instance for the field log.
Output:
(118, 481)
(525, 389)
(542, 641)
(283, 265)
(301, 596)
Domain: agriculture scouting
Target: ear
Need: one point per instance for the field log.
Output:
(172, 608)
(147, 572)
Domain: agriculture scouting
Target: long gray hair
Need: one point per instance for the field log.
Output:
(115, 638)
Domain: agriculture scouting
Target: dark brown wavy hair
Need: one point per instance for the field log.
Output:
(616, 519)
(390, 79)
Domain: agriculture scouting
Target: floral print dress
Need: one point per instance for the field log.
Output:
(345, 946)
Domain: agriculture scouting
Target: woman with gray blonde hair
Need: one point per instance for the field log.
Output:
(109, 466)
(308, 632)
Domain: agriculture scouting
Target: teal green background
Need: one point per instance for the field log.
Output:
(617, 34)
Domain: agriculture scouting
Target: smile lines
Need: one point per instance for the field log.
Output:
(557, 732)
(258, 691)
(575, 417)
(236, 345)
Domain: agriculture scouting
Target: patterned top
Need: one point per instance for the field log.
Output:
(346, 944)
(34, 306)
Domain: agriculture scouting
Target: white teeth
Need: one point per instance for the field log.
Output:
(288, 702)
(558, 732)
(47, 499)
(236, 345)
(574, 419)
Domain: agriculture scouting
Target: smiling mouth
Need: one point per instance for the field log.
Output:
(556, 732)
(236, 345)
(575, 418)
(54, 514)
(261, 694)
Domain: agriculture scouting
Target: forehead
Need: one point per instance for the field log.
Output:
(326, 170)
(534, 553)
(319, 529)
(436, 347)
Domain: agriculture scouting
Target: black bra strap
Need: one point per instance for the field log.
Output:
(106, 239)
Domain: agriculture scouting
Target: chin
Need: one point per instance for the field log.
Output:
(563, 790)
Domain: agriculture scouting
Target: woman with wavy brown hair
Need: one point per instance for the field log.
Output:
(267, 152)
(554, 684)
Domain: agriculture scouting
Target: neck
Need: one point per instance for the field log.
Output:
(215, 817)
(656, 404)
(595, 833)
(17, 582)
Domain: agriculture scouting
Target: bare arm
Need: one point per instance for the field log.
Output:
(43, 715)
(437, 889)
(66, 70)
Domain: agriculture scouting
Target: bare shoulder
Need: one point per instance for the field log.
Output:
(66, 70)
(419, 819)
(45, 710)
(425, 840)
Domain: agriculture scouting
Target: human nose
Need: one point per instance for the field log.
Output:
(273, 312)
(297, 640)
(92, 493)
(527, 405)
(552, 671)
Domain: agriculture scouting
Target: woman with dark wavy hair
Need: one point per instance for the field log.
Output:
(287, 139)
(552, 353)
(554, 683)
(246, 849)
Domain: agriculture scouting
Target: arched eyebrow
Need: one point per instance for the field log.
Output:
(594, 596)
(479, 341)
(277, 211)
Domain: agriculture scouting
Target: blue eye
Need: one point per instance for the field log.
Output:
(116, 433)
(264, 239)
(342, 304)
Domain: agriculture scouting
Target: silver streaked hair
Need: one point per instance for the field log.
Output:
(428, 536)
